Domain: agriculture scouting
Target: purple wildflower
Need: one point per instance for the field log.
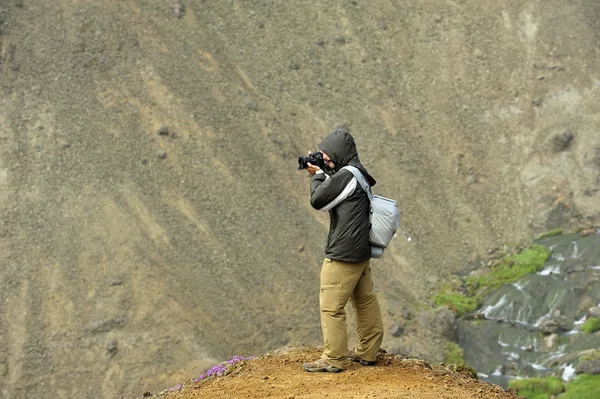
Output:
(221, 369)
(176, 388)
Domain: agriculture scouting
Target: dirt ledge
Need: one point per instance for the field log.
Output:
(279, 375)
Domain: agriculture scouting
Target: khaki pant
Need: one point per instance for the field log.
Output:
(341, 281)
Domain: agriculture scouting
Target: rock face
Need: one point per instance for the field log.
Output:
(440, 321)
(551, 326)
(589, 367)
(594, 311)
(453, 115)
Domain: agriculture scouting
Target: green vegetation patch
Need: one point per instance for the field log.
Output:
(591, 325)
(457, 302)
(551, 233)
(465, 369)
(509, 269)
(468, 297)
(454, 355)
(538, 388)
(591, 356)
(585, 386)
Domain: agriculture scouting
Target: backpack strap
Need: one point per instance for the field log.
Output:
(361, 179)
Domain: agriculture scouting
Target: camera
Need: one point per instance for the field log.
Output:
(314, 158)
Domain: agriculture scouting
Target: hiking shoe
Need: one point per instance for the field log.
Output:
(352, 356)
(321, 366)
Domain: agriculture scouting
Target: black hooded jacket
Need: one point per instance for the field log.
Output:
(347, 203)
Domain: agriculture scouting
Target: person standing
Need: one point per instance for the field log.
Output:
(346, 270)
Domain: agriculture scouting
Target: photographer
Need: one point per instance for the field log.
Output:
(346, 271)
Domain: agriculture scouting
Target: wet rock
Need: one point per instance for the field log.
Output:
(562, 142)
(591, 366)
(161, 154)
(550, 342)
(163, 131)
(397, 331)
(551, 326)
(560, 216)
(509, 368)
(588, 231)
(593, 312)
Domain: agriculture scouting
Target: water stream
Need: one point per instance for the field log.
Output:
(511, 343)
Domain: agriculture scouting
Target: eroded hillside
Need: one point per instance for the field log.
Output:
(132, 256)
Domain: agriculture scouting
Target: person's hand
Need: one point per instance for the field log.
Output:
(312, 169)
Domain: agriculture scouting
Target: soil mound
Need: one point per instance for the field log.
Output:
(280, 375)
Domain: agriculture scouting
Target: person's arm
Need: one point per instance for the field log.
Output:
(327, 192)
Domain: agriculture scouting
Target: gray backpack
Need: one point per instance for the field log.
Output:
(384, 217)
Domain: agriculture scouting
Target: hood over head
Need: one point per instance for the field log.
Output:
(339, 145)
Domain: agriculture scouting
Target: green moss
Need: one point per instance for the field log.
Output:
(454, 354)
(551, 233)
(585, 386)
(538, 388)
(591, 325)
(465, 369)
(591, 356)
(457, 302)
(508, 270)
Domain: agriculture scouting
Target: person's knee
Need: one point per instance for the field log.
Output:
(364, 298)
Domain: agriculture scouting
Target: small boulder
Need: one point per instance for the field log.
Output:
(397, 330)
(405, 313)
(551, 326)
(550, 342)
(112, 348)
(594, 311)
(562, 142)
(591, 366)
(441, 321)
